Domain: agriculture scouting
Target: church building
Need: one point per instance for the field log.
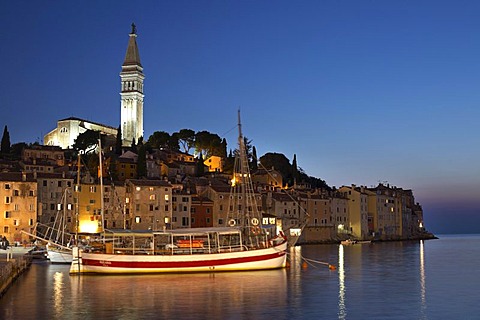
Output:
(131, 106)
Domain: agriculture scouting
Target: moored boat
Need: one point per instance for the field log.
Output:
(59, 254)
(177, 251)
(244, 245)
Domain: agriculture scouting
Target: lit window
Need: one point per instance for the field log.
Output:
(166, 197)
(152, 197)
(137, 219)
(138, 188)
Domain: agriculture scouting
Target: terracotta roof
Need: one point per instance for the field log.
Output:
(92, 122)
(281, 197)
(158, 183)
(16, 177)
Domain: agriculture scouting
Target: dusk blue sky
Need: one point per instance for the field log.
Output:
(361, 91)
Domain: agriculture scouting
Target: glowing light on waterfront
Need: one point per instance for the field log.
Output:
(295, 232)
(342, 309)
(88, 226)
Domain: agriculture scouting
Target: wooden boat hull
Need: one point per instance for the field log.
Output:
(259, 259)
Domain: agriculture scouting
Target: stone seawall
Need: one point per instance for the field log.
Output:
(10, 270)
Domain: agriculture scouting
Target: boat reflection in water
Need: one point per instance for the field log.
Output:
(218, 295)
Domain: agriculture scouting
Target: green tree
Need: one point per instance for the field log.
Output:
(224, 148)
(118, 141)
(134, 146)
(254, 164)
(209, 144)
(229, 163)
(295, 173)
(280, 163)
(163, 140)
(142, 162)
(5, 146)
(186, 139)
(16, 150)
(88, 141)
(159, 139)
(200, 165)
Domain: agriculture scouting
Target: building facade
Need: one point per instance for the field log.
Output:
(18, 206)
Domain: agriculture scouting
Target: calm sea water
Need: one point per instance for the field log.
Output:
(435, 279)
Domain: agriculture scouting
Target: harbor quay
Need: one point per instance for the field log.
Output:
(12, 265)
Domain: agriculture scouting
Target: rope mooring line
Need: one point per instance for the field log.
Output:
(312, 262)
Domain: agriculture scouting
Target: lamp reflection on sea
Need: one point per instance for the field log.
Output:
(342, 310)
(422, 277)
(58, 284)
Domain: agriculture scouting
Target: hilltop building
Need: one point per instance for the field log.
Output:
(131, 106)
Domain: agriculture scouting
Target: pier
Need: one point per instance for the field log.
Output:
(11, 267)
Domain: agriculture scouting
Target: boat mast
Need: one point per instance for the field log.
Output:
(77, 193)
(101, 182)
(251, 215)
(243, 171)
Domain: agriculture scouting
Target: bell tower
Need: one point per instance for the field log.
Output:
(132, 92)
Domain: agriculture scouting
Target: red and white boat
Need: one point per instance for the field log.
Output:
(178, 251)
(244, 245)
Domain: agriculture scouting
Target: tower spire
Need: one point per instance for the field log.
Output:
(132, 92)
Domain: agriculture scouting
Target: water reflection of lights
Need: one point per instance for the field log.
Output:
(57, 292)
(342, 309)
(295, 260)
(218, 295)
(422, 277)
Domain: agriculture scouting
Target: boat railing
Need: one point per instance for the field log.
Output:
(234, 248)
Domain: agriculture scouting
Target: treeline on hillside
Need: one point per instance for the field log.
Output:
(205, 144)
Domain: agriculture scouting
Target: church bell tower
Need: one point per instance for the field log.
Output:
(132, 93)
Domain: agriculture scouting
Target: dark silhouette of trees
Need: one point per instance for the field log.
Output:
(186, 139)
(5, 146)
(209, 144)
(118, 141)
(279, 162)
(200, 165)
(163, 140)
(88, 141)
(254, 163)
(142, 161)
(295, 173)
